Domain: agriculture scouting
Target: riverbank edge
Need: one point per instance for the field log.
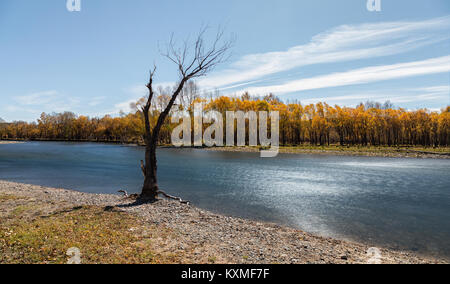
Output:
(203, 236)
(387, 152)
(362, 152)
(9, 142)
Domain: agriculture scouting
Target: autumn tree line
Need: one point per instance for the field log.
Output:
(370, 123)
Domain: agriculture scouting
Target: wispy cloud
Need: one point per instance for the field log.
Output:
(344, 43)
(360, 76)
(37, 98)
(96, 101)
(397, 96)
(134, 93)
(46, 101)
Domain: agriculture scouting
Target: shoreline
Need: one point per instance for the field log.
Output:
(179, 233)
(341, 151)
(368, 151)
(3, 142)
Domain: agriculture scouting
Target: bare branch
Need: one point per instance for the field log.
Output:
(196, 60)
(202, 61)
(146, 108)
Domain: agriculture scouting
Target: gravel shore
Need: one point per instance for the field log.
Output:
(202, 235)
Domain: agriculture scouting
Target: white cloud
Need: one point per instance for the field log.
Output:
(20, 109)
(397, 96)
(134, 93)
(95, 101)
(435, 89)
(38, 98)
(46, 101)
(344, 43)
(360, 76)
(123, 106)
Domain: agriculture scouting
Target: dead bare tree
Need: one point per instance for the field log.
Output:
(193, 61)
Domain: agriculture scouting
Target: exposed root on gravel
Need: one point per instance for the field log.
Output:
(173, 197)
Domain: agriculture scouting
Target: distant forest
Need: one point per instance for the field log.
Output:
(315, 124)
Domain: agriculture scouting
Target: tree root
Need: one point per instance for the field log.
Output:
(137, 196)
(143, 168)
(127, 196)
(173, 197)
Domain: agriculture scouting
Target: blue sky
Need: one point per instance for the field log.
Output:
(96, 61)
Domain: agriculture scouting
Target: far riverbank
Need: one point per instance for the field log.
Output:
(393, 152)
(365, 151)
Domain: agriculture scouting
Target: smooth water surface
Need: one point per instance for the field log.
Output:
(393, 202)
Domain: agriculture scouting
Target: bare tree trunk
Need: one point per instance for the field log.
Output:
(149, 169)
(150, 188)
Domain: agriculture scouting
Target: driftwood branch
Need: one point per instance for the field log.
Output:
(173, 197)
(126, 195)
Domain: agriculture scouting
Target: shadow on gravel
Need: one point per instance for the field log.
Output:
(135, 203)
(61, 212)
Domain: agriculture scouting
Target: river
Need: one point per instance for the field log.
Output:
(398, 203)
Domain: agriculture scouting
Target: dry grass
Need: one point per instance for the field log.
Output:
(102, 237)
(8, 197)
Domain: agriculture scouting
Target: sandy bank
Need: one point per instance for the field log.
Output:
(9, 142)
